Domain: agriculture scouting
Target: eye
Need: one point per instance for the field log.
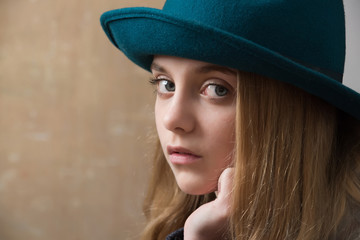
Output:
(166, 86)
(163, 85)
(215, 90)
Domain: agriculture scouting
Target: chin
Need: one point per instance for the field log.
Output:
(194, 188)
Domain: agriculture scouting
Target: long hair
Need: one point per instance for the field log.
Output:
(166, 207)
(297, 157)
(297, 164)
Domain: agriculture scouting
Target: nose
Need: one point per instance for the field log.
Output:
(180, 116)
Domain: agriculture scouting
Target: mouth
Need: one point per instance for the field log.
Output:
(181, 156)
(180, 150)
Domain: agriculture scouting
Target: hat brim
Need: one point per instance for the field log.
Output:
(141, 33)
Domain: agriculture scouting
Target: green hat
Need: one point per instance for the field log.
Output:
(301, 42)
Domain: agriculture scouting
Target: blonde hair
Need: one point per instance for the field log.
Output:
(166, 207)
(296, 169)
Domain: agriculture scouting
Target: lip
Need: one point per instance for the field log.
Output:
(181, 156)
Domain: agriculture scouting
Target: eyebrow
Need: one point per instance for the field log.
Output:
(203, 69)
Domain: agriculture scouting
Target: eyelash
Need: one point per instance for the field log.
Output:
(155, 82)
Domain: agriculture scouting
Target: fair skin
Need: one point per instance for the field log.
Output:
(195, 119)
(210, 221)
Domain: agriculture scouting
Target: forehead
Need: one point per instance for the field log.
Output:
(166, 63)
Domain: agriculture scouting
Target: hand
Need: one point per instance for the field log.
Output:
(210, 221)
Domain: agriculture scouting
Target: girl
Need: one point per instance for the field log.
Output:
(258, 136)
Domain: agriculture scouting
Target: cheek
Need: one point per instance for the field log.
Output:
(223, 135)
(160, 128)
(222, 126)
(158, 116)
(220, 137)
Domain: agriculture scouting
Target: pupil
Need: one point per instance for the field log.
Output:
(170, 86)
(220, 91)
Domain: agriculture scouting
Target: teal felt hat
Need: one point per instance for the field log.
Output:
(301, 42)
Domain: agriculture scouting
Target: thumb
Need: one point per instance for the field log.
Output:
(225, 183)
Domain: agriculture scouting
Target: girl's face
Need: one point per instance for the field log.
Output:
(195, 119)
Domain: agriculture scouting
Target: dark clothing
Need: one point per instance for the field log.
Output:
(177, 235)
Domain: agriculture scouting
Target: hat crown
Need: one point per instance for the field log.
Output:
(308, 31)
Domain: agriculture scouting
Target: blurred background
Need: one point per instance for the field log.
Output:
(76, 122)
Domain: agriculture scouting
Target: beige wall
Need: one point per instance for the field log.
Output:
(75, 116)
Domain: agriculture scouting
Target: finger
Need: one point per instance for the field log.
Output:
(225, 183)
